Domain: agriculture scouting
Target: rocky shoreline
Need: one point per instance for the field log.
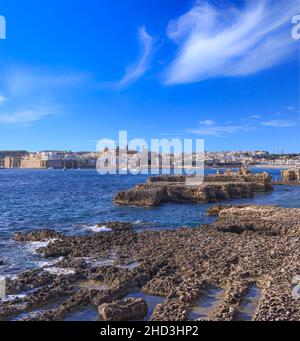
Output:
(246, 246)
(178, 188)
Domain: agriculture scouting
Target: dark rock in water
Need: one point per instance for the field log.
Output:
(1, 262)
(37, 236)
(117, 226)
(184, 189)
(128, 309)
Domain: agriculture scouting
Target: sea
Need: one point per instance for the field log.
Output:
(75, 201)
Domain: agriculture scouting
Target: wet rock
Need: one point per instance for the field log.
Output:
(37, 236)
(125, 310)
(176, 264)
(117, 226)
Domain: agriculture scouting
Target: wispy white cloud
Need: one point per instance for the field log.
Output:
(254, 117)
(216, 130)
(279, 124)
(207, 123)
(235, 41)
(27, 117)
(293, 109)
(252, 123)
(2, 99)
(32, 95)
(142, 65)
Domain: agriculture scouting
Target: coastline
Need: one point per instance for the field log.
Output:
(168, 271)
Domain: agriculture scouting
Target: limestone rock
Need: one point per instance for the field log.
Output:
(125, 310)
(291, 175)
(37, 236)
(176, 188)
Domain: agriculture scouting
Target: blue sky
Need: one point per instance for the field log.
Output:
(74, 71)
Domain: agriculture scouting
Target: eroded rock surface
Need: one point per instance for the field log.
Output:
(124, 310)
(291, 176)
(181, 188)
(37, 236)
(179, 265)
(269, 220)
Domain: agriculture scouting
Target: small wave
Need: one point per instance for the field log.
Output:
(60, 271)
(10, 298)
(34, 246)
(47, 264)
(101, 262)
(97, 228)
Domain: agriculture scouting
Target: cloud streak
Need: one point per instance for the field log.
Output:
(27, 117)
(228, 42)
(2, 99)
(142, 65)
(254, 123)
(278, 124)
(217, 130)
(32, 95)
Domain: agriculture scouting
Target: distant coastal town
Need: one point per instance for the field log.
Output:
(54, 159)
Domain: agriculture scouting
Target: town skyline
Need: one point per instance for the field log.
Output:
(126, 158)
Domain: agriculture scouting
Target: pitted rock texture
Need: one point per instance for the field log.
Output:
(179, 265)
(181, 188)
(269, 220)
(124, 310)
(37, 236)
(291, 176)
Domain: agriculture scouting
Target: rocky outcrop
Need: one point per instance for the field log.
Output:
(141, 195)
(37, 236)
(125, 310)
(291, 176)
(178, 265)
(268, 220)
(170, 310)
(215, 188)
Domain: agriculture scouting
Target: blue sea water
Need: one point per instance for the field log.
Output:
(75, 200)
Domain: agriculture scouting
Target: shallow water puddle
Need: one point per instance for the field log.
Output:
(249, 304)
(208, 302)
(130, 266)
(43, 307)
(88, 313)
(152, 301)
